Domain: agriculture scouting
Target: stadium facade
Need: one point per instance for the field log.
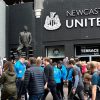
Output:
(65, 28)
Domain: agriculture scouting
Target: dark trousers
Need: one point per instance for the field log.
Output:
(69, 86)
(59, 90)
(20, 89)
(80, 94)
(53, 92)
(62, 92)
(98, 96)
(36, 96)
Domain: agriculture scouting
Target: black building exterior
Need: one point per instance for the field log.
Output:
(66, 28)
(18, 16)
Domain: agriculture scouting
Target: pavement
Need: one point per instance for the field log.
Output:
(49, 96)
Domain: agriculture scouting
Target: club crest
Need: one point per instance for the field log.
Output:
(52, 22)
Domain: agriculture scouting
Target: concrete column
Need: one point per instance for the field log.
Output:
(69, 49)
(2, 28)
(38, 6)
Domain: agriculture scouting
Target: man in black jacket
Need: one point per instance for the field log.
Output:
(50, 83)
(34, 81)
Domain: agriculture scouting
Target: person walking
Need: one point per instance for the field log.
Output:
(50, 83)
(34, 79)
(77, 87)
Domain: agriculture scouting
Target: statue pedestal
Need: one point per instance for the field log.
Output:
(25, 52)
(30, 52)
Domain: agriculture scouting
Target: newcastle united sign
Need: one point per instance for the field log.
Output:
(52, 22)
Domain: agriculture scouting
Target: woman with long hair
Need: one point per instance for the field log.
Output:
(8, 80)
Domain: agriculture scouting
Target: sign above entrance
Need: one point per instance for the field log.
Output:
(86, 12)
(88, 50)
(74, 20)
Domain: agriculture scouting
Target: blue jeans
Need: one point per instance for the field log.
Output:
(36, 96)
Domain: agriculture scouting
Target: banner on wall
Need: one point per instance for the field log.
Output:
(87, 50)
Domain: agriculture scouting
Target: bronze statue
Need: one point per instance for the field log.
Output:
(25, 39)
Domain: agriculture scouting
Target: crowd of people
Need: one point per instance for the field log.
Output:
(39, 76)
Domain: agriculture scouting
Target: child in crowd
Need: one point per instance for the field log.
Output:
(87, 85)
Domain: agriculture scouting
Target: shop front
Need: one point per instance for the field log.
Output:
(69, 29)
(88, 52)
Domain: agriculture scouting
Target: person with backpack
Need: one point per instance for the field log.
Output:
(8, 80)
(95, 80)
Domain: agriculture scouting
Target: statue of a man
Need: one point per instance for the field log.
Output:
(25, 39)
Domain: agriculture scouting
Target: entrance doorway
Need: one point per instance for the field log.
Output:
(57, 59)
(84, 59)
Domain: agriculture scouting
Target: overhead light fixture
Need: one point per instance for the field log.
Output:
(38, 13)
(38, 6)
